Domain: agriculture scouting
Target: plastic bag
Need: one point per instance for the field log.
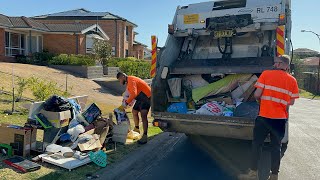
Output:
(228, 111)
(133, 135)
(212, 108)
(56, 104)
(121, 115)
(178, 108)
(175, 87)
(126, 96)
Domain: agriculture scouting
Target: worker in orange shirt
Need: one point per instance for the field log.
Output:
(276, 91)
(139, 91)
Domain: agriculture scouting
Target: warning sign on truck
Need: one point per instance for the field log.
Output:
(191, 19)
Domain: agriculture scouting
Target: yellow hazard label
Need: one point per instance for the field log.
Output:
(191, 19)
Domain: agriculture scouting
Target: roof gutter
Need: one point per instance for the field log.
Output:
(28, 29)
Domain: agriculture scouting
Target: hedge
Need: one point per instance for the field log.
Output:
(76, 60)
(38, 58)
(136, 68)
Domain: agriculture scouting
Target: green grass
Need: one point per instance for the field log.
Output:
(48, 171)
(308, 95)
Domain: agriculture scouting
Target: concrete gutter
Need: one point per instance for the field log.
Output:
(133, 165)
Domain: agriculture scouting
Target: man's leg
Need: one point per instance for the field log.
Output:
(144, 117)
(260, 132)
(135, 114)
(276, 135)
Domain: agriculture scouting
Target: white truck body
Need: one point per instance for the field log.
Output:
(225, 36)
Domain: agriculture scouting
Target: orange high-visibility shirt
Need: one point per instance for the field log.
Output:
(279, 87)
(135, 86)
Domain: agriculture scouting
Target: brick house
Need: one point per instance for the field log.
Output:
(119, 30)
(24, 36)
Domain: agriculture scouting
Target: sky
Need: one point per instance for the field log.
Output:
(153, 17)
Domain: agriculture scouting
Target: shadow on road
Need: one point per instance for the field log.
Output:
(234, 155)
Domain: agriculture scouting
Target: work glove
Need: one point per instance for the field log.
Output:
(124, 104)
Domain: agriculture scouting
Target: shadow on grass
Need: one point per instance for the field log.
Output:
(111, 87)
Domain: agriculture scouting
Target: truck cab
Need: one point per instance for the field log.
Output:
(224, 37)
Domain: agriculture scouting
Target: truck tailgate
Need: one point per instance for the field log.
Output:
(219, 126)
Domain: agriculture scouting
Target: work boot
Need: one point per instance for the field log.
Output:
(251, 175)
(273, 177)
(144, 139)
(136, 130)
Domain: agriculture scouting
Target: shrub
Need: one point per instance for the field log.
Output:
(22, 86)
(76, 60)
(102, 51)
(43, 89)
(135, 68)
(39, 58)
(42, 57)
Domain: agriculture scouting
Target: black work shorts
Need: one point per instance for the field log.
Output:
(142, 102)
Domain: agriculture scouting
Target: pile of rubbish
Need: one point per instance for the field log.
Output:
(216, 95)
(73, 134)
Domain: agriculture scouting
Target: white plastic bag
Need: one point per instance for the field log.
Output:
(133, 135)
(125, 97)
(211, 108)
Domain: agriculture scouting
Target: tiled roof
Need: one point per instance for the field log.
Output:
(4, 21)
(82, 14)
(67, 27)
(24, 22)
(311, 61)
(139, 43)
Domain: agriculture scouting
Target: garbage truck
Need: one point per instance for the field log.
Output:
(208, 41)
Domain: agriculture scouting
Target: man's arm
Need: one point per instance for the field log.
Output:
(133, 91)
(291, 102)
(258, 93)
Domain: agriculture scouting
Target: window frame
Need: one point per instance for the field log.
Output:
(8, 46)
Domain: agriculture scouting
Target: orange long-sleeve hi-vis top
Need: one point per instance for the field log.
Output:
(135, 86)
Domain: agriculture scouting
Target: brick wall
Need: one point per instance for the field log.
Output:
(82, 44)
(60, 43)
(138, 51)
(2, 45)
(109, 27)
(130, 40)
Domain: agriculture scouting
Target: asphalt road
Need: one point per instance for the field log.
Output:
(175, 156)
(185, 161)
(229, 157)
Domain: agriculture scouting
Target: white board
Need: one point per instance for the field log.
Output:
(67, 163)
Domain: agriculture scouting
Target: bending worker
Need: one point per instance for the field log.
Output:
(140, 91)
(276, 91)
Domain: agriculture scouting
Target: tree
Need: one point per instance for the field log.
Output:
(102, 51)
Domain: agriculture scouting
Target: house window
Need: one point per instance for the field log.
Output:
(113, 53)
(89, 44)
(40, 43)
(14, 44)
(126, 30)
(127, 53)
(36, 44)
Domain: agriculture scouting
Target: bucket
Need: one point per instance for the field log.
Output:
(175, 87)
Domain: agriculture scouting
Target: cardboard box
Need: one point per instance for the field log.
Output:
(33, 139)
(239, 91)
(57, 119)
(19, 138)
